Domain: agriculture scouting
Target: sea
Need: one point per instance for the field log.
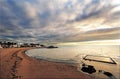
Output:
(74, 54)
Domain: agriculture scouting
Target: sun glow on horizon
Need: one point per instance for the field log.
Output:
(96, 42)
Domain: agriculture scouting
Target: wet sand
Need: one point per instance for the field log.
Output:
(14, 64)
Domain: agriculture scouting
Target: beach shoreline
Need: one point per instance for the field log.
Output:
(15, 64)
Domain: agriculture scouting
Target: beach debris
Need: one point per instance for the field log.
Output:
(102, 59)
(108, 74)
(88, 68)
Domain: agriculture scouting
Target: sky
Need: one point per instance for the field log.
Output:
(59, 20)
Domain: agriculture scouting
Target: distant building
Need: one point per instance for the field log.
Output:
(19, 44)
(15, 45)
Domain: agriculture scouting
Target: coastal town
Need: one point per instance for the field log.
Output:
(11, 44)
(8, 44)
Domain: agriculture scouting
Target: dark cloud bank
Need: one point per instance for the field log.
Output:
(56, 20)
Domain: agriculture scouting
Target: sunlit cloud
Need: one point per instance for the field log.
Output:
(115, 2)
(97, 42)
(116, 9)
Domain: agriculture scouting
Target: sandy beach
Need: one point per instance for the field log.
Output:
(14, 64)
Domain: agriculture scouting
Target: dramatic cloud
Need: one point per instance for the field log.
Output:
(59, 20)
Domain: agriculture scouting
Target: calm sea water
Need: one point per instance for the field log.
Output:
(75, 53)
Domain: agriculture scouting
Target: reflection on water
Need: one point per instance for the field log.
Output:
(75, 54)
